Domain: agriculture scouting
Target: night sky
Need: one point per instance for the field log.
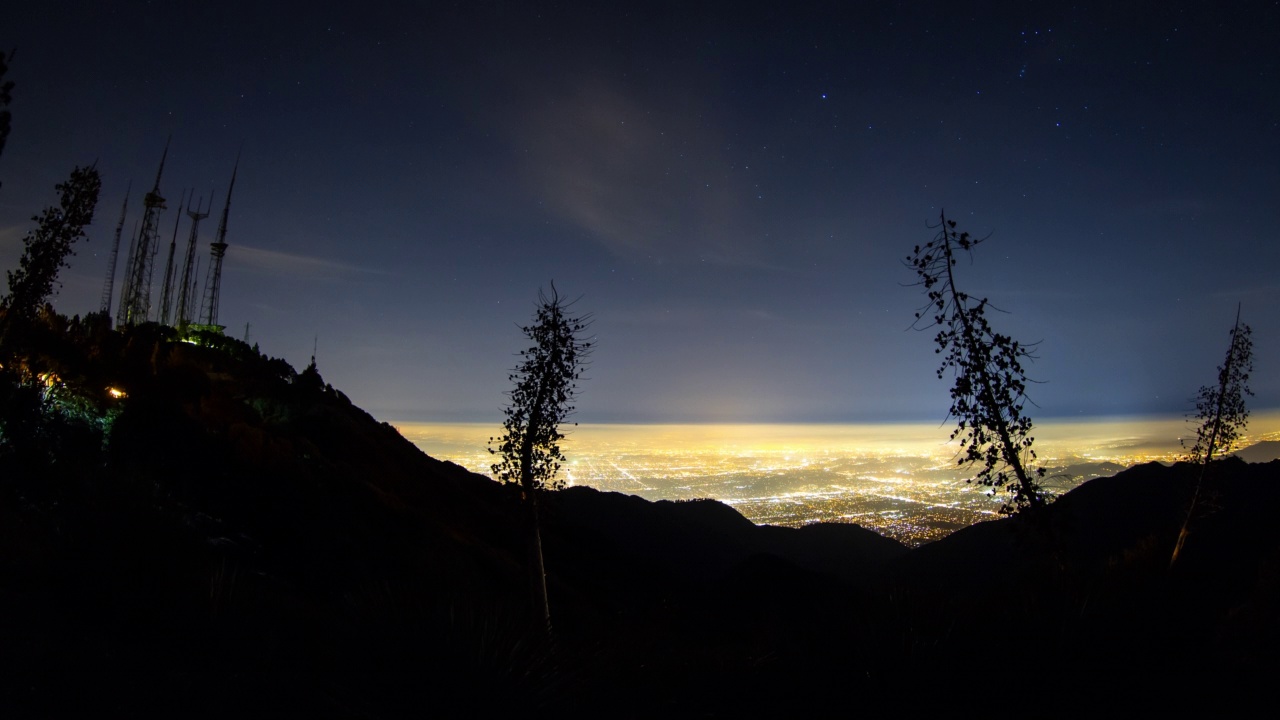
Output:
(731, 188)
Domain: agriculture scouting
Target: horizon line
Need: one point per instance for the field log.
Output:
(1115, 417)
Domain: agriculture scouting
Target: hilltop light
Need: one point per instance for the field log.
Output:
(116, 393)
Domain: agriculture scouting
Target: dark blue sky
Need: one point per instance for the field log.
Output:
(730, 187)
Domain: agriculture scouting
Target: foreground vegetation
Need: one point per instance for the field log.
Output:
(227, 536)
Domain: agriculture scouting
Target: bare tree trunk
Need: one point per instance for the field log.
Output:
(540, 602)
(539, 579)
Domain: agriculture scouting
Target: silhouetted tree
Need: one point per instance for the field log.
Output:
(990, 385)
(310, 378)
(1222, 417)
(46, 248)
(546, 382)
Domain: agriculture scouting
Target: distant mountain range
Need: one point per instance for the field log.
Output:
(1260, 452)
(1080, 472)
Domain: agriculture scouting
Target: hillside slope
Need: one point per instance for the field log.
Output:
(233, 537)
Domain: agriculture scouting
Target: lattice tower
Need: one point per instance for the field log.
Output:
(108, 287)
(166, 294)
(136, 303)
(217, 250)
(186, 288)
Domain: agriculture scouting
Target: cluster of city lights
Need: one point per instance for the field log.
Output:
(901, 481)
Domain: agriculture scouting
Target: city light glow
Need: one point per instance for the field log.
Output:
(901, 480)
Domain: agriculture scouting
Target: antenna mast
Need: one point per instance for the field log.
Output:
(108, 288)
(186, 289)
(217, 250)
(128, 264)
(166, 294)
(135, 304)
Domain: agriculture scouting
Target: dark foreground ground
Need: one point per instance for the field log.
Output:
(239, 540)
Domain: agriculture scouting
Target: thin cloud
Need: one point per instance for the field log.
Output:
(12, 236)
(1260, 292)
(281, 263)
(644, 180)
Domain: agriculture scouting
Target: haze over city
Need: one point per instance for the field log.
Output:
(900, 480)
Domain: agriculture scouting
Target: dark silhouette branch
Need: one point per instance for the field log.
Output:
(990, 386)
(1223, 417)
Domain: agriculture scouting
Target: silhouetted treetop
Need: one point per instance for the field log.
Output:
(47, 247)
(990, 387)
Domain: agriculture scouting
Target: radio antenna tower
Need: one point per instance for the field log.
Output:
(151, 267)
(128, 266)
(195, 284)
(166, 294)
(186, 288)
(108, 287)
(217, 250)
(135, 303)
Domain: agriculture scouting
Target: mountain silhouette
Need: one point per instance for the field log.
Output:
(1260, 452)
(249, 542)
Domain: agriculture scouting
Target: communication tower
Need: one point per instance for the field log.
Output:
(186, 288)
(128, 266)
(108, 287)
(217, 249)
(135, 300)
(166, 294)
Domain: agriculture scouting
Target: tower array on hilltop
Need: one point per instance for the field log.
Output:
(178, 298)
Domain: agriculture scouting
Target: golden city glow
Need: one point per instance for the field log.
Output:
(116, 393)
(900, 480)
